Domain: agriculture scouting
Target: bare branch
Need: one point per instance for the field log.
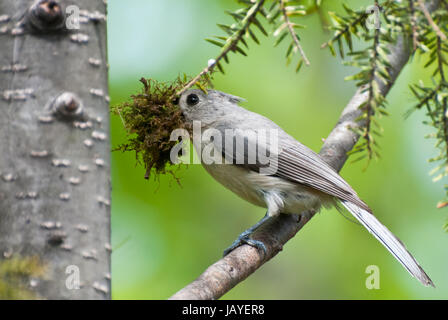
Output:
(223, 275)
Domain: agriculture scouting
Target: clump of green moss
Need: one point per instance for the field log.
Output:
(149, 118)
(15, 275)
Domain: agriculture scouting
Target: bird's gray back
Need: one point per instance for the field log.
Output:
(294, 161)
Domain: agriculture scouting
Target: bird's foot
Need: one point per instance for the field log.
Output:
(244, 238)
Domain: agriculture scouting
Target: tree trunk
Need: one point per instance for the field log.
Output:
(54, 146)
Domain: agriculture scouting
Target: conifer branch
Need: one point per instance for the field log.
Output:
(431, 21)
(293, 34)
(231, 43)
(413, 25)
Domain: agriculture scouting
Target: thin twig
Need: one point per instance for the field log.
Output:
(415, 41)
(122, 120)
(292, 33)
(229, 47)
(431, 21)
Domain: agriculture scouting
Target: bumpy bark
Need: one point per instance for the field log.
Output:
(54, 145)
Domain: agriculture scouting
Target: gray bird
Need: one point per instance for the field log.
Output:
(296, 179)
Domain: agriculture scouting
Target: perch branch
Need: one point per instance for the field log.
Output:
(225, 274)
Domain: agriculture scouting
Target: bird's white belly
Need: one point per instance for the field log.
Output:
(276, 194)
(264, 191)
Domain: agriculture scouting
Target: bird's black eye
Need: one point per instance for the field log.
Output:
(192, 99)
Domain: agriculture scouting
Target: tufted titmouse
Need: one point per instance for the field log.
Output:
(294, 179)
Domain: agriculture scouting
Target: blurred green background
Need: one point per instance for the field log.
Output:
(164, 235)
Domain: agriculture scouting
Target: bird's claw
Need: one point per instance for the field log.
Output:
(245, 239)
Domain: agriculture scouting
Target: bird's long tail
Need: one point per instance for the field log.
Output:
(391, 242)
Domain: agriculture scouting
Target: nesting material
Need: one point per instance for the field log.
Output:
(149, 118)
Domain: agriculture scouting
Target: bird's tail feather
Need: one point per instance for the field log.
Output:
(391, 242)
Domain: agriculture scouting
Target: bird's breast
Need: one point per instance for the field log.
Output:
(290, 197)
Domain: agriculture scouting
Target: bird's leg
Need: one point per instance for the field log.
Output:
(244, 238)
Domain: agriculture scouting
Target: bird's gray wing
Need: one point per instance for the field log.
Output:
(291, 160)
(298, 163)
